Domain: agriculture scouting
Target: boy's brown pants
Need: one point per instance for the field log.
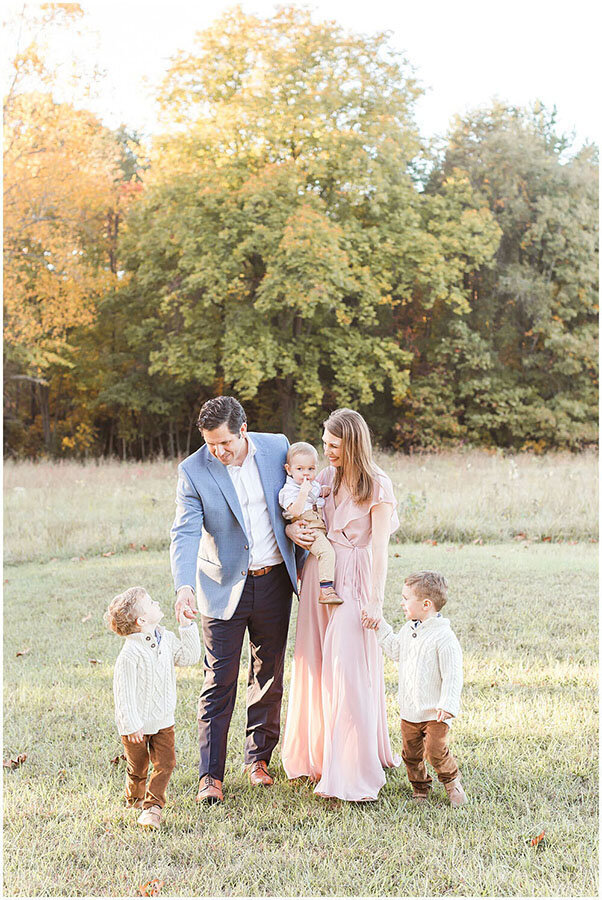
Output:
(427, 739)
(159, 749)
(321, 548)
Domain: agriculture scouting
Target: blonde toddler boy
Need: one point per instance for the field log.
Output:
(430, 683)
(144, 687)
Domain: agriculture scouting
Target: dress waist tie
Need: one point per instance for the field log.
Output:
(355, 564)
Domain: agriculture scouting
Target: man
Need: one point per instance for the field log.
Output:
(245, 570)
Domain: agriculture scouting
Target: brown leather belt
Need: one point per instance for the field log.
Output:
(264, 571)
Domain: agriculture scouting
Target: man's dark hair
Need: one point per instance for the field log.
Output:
(218, 410)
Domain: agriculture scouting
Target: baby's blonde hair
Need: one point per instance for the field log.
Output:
(299, 448)
(123, 611)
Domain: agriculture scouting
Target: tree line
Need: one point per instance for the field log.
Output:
(290, 238)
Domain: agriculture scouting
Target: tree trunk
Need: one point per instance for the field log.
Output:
(172, 449)
(123, 448)
(110, 449)
(43, 401)
(189, 436)
(289, 395)
(289, 408)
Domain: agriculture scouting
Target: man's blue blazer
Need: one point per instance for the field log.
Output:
(209, 545)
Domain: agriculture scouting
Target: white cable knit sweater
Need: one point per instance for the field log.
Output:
(144, 678)
(430, 667)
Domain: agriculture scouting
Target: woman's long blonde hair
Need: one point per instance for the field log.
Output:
(357, 467)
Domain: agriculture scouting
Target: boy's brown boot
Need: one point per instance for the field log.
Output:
(151, 817)
(329, 596)
(420, 796)
(455, 792)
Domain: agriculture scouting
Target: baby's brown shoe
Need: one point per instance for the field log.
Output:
(329, 597)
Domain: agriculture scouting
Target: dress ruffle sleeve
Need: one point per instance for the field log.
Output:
(383, 493)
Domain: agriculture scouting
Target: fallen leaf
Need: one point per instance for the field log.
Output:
(94, 661)
(77, 558)
(431, 542)
(547, 538)
(87, 618)
(478, 540)
(132, 546)
(15, 761)
(5, 581)
(520, 536)
(109, 553)
(151, 888)
(396, 554)
(115, 760)
(23, 652)
(144, 547)
(537, 841)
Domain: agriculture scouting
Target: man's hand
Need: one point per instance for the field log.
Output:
(185, 605)
(301, 534)
(372, 614)
(137, 737)
(442, 715)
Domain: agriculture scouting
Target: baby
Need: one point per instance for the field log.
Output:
(430, 683)
(302, 498)
(144, 686)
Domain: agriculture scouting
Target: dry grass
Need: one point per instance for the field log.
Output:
(70, 509)
(526, 741)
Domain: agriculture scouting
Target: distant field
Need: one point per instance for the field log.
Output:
(69, 509)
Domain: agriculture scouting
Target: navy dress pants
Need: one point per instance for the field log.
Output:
(264, 609)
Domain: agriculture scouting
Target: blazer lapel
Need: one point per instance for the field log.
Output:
(220, 473)
(267, 480)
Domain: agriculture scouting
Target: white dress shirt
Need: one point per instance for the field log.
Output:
(263, 549)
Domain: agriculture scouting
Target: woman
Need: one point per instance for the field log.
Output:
(336, 727)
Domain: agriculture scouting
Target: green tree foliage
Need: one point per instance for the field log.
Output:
(282, 230)
(281, 241)
(521, 368)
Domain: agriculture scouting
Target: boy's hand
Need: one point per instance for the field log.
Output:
(182, 618)
(305, 487)
(442, 715)
(137, 737)
(372, 614)
(325, 490)
(185, 604)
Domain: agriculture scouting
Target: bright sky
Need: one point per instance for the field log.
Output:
(465, 52)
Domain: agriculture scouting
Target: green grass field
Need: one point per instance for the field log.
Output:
(526, 740)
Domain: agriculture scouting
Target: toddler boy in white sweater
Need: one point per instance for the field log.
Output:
(144, 687)
(430, 683)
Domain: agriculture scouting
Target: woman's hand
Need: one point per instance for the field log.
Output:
(372, 614)
(301, 534)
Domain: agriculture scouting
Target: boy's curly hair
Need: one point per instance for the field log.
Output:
(429, 584)
(123, 611)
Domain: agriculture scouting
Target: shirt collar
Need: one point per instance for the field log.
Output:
(251, 451)
(140, 636)
(417, 622)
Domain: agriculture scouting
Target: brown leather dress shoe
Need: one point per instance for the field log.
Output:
(258, 773)
(210, 790)
(329, 597)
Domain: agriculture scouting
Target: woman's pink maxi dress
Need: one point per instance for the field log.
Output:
(336, 726)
